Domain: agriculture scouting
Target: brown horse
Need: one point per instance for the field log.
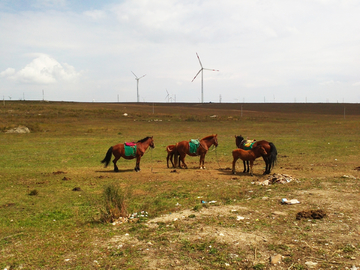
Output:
(247, 155)
(183, 149)
(270, 158)
(170, 149)
(119, 151)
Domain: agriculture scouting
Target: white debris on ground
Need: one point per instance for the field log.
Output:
(131, 218)
(292, 201)
(276, 179)
(349, 176)
(19, 129)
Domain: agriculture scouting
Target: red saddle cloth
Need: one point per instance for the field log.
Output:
(132, 144)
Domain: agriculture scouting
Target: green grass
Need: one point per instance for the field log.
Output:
(46, 225)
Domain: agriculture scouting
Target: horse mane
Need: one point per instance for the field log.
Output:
(207, 137)
(143, 140)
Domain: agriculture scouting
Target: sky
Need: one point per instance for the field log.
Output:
(264, 51)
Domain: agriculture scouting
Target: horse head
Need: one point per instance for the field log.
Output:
(215, 140)
(152, 145)
(238, 140)
(262, 150)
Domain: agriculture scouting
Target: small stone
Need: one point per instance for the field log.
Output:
(311, 265)
(278, 213)
(275, 259)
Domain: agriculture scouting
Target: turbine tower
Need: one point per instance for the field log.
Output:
(137, 84)
(202, 77)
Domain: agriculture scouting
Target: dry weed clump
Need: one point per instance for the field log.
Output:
(114, 204)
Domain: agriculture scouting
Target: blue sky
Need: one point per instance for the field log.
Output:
(265, 51)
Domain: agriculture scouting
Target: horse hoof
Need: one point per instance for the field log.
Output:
(233, 172)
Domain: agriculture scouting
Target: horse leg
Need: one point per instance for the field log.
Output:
(202, 157)
(246, 162)
(172, 160)
(182, 159)
(251, 167)
(116, 169)
(267, 165)
(137, 166)
(233, 165)
(167, 160)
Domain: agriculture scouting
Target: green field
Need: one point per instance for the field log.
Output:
(52, 187)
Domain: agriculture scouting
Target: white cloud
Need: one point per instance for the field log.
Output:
(49, 3)
(8, 72)
(42, 70)
(279, 48)
(95, 14)
(330, 83)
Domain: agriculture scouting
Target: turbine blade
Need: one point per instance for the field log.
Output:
(196, 75)
(199, 60)
(211, 69)
(134, 74)
(142, 76)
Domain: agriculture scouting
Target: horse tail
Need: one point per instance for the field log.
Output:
(273, 154)
(169, 148)
(107, 158)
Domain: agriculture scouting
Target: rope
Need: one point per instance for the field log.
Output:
(217, 159)
(151, 159)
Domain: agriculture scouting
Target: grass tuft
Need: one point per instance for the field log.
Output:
(33, 192)
(114, 204)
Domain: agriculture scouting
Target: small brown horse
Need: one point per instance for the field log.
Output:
(270, 158)
(170, 149)
(183, 149)
(247, 155)
(119, 151)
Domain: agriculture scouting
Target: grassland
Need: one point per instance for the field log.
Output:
(52, 185)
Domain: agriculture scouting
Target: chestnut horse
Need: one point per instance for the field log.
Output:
(119, 151)
(270, 158)
(248, 155)
(183, 149)
(170, 149)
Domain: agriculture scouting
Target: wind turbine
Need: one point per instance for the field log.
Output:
(167, 96)
(137, 84)
(202, 77)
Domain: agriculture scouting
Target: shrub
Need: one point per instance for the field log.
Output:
(33, 192)
(114, 204)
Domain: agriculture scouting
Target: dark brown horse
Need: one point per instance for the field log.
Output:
(170, 149)
(247, 155)
(183, 149)
(270, 158)
(119, 151)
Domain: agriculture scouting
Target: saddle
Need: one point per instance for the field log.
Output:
(248, 144)
(131, 144)
(130, 149)
(194, 145)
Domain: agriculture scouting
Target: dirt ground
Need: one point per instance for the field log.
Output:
(265, 229)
